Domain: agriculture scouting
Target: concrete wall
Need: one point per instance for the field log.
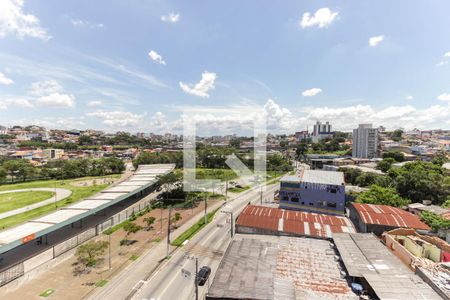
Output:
(37, 260)
(400, 251)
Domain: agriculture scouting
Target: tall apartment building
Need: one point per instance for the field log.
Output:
(365, 141)
(321, 131)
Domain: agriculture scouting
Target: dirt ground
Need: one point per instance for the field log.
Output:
(68, 283)
(96, 181)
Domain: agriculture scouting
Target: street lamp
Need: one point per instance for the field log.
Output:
(230, 212)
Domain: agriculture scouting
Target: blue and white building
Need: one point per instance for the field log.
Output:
(315, 191)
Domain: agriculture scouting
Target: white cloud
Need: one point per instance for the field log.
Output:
(202, 88)
(447, 54)
(323, 17)
(7, 101)
(375, 40)
(118, 118)
(57, 100)
(311, 92)
(51, 93)
(5, 80)
(171, 18)
(94, 103)
(444, 97)
(86, 24)
(409, 97)
(156, 57)
(14, 21)
(441, 63)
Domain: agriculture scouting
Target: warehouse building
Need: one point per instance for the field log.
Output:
(267, 267)
(276, 221)
(380, 273)
(315, 191)
(380, 218)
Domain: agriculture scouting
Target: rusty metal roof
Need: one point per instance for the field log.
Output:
(264, 267)
(293, 222)
(388, 215)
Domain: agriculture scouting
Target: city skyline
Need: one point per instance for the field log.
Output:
(141, 67)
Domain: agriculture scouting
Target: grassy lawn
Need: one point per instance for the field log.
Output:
(238, 189)
(78, 193)
(47, 293)
(193, 229)
(12, 201)
(221, 174)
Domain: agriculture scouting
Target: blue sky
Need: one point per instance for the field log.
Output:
(141, 65)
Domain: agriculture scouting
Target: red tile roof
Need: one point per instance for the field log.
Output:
(389, 216)
(295, 222)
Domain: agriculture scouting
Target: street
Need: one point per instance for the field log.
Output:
(176, 279)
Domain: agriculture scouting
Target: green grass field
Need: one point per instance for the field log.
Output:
(12, 201)
(78, 193)
(239, 189)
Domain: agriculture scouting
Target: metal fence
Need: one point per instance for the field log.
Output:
(18, 270)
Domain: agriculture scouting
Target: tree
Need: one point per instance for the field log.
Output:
(149, 221)
(19, 168)
(396, 155)
(396, 135)
(301, 149)
(85, 140)
(3, 174)
(235, 143)
(436, 222)
(88, 254)
(177, 217)
(439, 158)
(129, 228)
(420, 181)
(385, 164)
(380, 195)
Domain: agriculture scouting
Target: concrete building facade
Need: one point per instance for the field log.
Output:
(313, 190)
(365, 141)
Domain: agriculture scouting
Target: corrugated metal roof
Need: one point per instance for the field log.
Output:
(279, 267)
(388, 215)
(295, 222)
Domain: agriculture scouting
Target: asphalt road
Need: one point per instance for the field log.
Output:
(175, 280)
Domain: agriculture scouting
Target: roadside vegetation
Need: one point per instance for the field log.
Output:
(188, 234)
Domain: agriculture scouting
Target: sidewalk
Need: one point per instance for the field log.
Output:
(135, 274)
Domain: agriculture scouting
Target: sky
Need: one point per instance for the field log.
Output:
(150, 66)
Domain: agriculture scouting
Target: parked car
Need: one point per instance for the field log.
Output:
(203, 274)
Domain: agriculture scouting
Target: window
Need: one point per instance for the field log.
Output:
(303, 203)
(285, 198)
(294, 199)
(311, 204)
(333, 190)
(331, 204)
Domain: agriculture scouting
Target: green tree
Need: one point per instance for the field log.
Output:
(130, 228)
(397, 135)
(436, 222)
(385, 164)
(149, 221)
(301, 150)
(235, 143)
(89, 253)
(396, 155)
(380, 195)
(177, 217)
(85, 140)
(19, 168)
(420, 181)
(3, 174)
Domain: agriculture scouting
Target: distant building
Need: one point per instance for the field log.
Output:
(53, 153)
(321, 131)
(313, 190)
(365, 141)
(380, 218)
(301, 135)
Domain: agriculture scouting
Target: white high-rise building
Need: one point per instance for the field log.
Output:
(321, 131)
(365, 141)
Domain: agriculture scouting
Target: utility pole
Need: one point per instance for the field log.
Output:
(56, 205)
(261, 194)
(109, 238)
(161, 209)
(231, 223)
(195, 278)
(226, 190)
(168, 231)
(206, 206)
